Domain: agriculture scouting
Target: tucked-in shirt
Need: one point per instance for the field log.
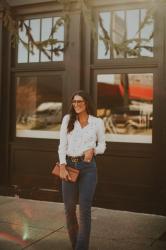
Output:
(76, 142)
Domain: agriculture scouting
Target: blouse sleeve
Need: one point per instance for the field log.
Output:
(62, 149)
(101, 145)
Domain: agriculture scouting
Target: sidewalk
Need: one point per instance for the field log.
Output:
(40, 225)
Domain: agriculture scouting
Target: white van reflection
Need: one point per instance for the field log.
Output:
(47, 113)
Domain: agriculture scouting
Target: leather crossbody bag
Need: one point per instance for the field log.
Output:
(73, 172)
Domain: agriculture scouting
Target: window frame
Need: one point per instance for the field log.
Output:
(131, 66)
(156, 104)
(116, 62)
(39, 65)
(14, 136)
(35, 68)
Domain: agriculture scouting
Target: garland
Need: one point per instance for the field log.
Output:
(13, 25)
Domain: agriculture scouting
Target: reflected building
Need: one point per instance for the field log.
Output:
(118, 32)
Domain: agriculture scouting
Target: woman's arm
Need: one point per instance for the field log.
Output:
(62, 149)
(101, 145)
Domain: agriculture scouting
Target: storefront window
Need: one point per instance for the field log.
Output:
(125, 103)
(125, 34)
(42, 30)
(38, 106)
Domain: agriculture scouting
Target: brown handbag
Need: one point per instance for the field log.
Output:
(73, 172)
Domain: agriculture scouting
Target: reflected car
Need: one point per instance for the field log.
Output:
(47, 113)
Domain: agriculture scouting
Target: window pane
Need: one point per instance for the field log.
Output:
(46, 26)
(118, 31)
(132, 23)
(125, 103)
(38, 106)
(59, 35)
(146, 36)
(125, 34)
(41, 30)
(22, 50)
(35, 30)
(106, 20)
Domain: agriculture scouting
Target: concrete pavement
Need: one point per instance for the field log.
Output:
(40, 225)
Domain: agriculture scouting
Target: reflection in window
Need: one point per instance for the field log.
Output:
(22, 50)
(132, 28)
(106, 22)
(125, 103)
(59, 35)
(46, 26)
(125, 34)
(146, 45)
(118, 31)
(35, 30)
(51, 28)
(38, 106)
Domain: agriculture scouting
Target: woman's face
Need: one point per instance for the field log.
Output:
(79, 104)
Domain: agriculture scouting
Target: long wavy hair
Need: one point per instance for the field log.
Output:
(89, 108)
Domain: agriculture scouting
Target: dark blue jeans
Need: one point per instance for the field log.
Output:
(81, 192)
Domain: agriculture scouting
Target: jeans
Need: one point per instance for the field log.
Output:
(81, 192)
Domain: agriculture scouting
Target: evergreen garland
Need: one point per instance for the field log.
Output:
(13, 25)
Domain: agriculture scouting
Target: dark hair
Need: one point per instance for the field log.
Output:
(89, 108)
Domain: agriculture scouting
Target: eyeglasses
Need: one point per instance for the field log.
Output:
(77, 101)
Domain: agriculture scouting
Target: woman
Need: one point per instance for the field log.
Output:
(81, 138)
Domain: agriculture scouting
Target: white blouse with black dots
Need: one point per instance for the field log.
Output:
(81, 139)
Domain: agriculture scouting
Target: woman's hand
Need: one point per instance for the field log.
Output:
(64, 174)
(88, 155)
